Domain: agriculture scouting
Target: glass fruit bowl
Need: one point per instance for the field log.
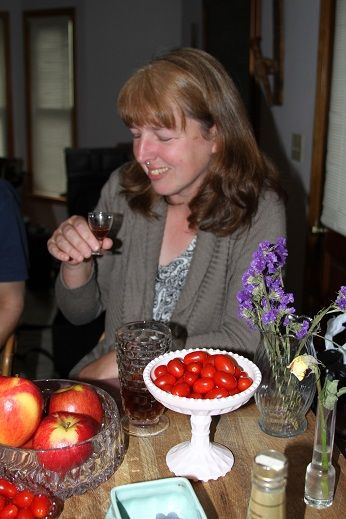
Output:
(200, 458)
(105, 453)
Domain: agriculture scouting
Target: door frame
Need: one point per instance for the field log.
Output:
(313, 293)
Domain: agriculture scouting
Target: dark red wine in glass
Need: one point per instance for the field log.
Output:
(100, 224)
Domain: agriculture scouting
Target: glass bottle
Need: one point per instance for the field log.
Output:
(268, 490)
(320, 473)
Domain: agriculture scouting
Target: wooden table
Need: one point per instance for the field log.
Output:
(227, 497)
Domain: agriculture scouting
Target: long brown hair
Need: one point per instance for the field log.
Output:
(196, 84)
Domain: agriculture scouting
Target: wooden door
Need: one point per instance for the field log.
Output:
(326, 249)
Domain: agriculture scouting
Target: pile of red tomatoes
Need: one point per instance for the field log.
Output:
(202, 375)
(25, 504)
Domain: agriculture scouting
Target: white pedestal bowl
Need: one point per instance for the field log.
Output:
(199, 458)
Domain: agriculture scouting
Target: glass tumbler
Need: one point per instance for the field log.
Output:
(137, 343)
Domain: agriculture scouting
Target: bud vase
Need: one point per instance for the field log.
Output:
(282, 400)
(320, 473)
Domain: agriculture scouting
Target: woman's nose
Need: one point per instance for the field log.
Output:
(144, 149)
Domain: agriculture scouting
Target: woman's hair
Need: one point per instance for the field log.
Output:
(196, 85)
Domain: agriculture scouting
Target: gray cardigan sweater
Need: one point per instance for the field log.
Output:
(206, 313)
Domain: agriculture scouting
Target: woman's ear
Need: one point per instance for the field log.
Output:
(213, 134)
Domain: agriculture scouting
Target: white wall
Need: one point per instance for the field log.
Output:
(301, 24)
(117, 37)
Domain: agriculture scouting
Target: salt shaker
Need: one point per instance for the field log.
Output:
(268, 489)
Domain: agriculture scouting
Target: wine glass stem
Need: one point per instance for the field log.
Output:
(200, 426)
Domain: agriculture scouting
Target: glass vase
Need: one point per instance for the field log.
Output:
(283, 400)
(320, 473)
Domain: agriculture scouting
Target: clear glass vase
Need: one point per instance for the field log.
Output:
(282, 400)
(320, 473)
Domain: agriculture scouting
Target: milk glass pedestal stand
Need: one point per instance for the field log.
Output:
(199, 458)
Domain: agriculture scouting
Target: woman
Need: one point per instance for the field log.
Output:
(196, 201)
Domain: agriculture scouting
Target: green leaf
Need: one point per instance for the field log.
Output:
(329, 393)
(341, 391)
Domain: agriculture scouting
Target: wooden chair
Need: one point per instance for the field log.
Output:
(7, 356)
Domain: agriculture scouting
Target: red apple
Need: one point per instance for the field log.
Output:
(21, 405)
(64, 432)
(77, 398)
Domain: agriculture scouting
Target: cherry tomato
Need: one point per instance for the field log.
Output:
(9, 511)
(196, 356)
(234, 391)
(208, 370)
(40, 505)
(176, 367)
(237, 372)
(203, 385)
(194, 367)
(243, 374)
(7, 488)
(217, 392)
(226, 380)
(225, 363)
(196, 395)
(160, 370)
(25, 513)
(23, 498)
(209, 360)
(182, 389)
(190, 378)
(167, 378)
(167, 388)
(244, 383)
(2, 502)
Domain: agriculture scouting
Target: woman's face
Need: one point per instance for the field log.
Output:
(175, 160)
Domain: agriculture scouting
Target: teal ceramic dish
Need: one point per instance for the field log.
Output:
(170, 498)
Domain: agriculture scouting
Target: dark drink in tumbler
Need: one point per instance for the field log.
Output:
(137, 344)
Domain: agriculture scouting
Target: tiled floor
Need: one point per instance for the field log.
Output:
(33, 357)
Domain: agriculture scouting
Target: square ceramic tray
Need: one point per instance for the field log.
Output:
(170, 498)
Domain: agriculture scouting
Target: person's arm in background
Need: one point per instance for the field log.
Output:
(11, 307)
(13, 261)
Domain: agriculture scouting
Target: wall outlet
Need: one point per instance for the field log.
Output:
(297, 147)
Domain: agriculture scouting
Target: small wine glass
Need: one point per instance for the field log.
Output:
(100, 224)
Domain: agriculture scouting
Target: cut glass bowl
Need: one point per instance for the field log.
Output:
(23, 466)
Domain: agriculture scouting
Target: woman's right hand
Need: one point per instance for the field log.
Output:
(73, 242)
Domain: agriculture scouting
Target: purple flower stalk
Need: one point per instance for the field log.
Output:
(263, 301)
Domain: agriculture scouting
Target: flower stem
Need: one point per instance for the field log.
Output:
(324, 451)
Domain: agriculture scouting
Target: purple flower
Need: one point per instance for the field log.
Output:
(341, 299)
(269, 317)
(303, 330)
(289, 315)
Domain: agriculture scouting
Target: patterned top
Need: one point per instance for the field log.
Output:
(169, 282)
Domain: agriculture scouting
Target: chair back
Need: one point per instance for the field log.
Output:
(87, 170)
(7, 356)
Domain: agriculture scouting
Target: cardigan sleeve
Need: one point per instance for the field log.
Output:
(83, 304)
(233, 333)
